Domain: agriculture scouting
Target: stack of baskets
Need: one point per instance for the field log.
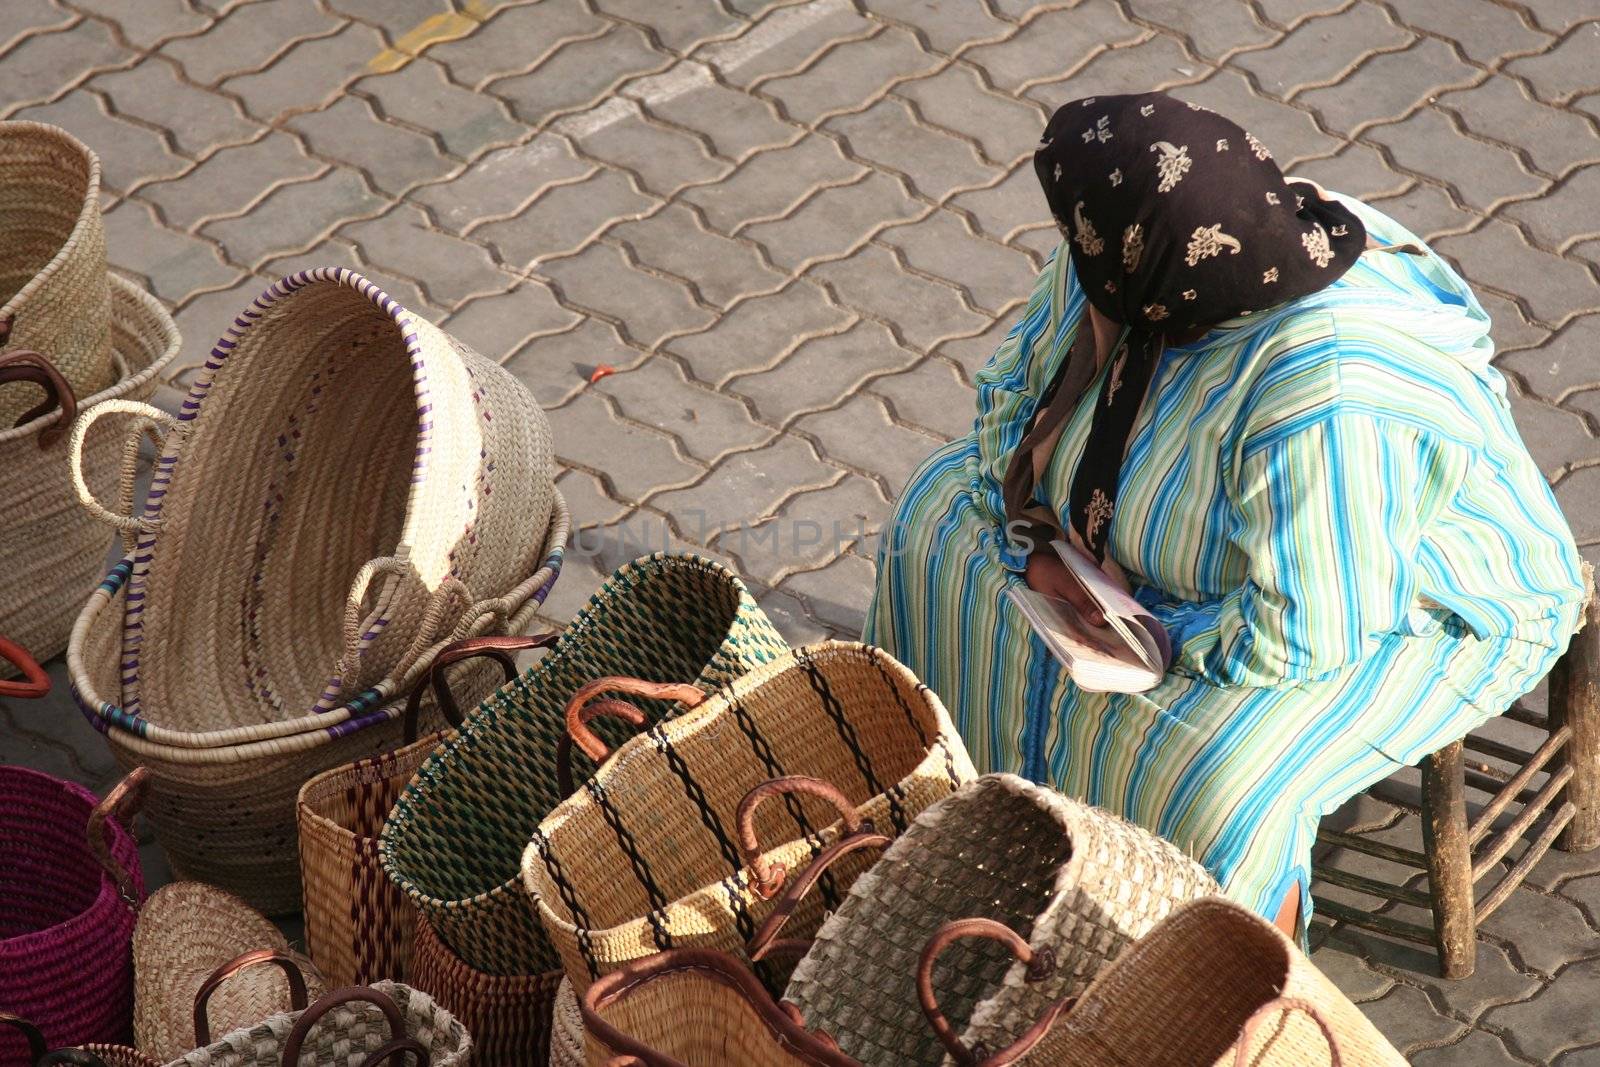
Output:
(345, 490)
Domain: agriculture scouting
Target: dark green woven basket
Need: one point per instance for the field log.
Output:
(454, 841)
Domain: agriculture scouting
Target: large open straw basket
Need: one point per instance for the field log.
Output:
(51, 551)
(70, 883)
(54, 293)
(677, 842)
(455, 839)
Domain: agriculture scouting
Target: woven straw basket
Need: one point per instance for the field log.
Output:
(566, 1029)
(660, 849)
(97, 1055)
(54, 294)
(51, 550)
(190, 937)
(358, 923)
(70, 881)
(248, 616)
(1078, 883)
(455, 839)
(697, 1008)
(1213, 984)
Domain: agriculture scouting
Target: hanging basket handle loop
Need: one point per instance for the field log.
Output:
(287, 963)
(590, 745)
(26, 365)
(1286, 1005)
(613, 709)
(1040, 963)
(766, 940)
(498, 649)
(769, 878)
(34, 682)
(30, 1034)
(128, 523)
(123, 802)
(336, 999)
(396, 1050)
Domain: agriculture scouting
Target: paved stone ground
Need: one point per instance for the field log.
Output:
(796, 229)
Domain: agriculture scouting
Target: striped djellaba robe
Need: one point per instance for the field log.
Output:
(1328, 506)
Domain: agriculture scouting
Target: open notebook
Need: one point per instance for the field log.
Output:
(1129, 654)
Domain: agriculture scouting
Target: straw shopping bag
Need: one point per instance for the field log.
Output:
(198, 956)
(697, 1008)
(1078, 883)
(1212, 984)
(661, 850)
(70, 881)
(358, 923)
(454, 841)
(54, 293)
(50, 550)
(566, 1029)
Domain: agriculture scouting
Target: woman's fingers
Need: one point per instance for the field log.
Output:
(1048, 575)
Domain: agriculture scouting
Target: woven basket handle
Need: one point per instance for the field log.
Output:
(285, 962)
(766, 940)
(600, 709)
(34, 683)
(337, 999)
(26, 365)
(123, 801)
(396, 1050)
(769, 878)
(1286, 1004)
(498, 649)
(687, 695)
(127, 523)
(30, 1033)
(1040, 963)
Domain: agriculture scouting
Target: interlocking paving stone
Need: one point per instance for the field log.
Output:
(1477, 1049)
(956, 99)
(1159, 63)
(146, 24)
(788, 614)
(504, 182)
(749, 486)
(1571, 68)
(1563, 364)
(937, 163)
(947, 28)
(759, 332)
(811, 529)
(1576, 494)
(664, 159)
(847, 76)
(1406, 1018)
(449, 269)
(1213, 31)
(1428, 211)
(295, 216)
(1389, 85)
(175, 264)
(44, 64)
(992, 275)
(708, 424)
(341, 252)
(587, 500)
(498, 324)
(1344, 962)
(1357, 170)
(517, 39)
(926, 311)
(419, 94)
(558, 366)
(633, 460)
(1009, 205)
(1484, 30)
(1289, 13)
(396, 17)
(393, 158)
(1555, 140)
(23, 17)
(247, 37)
(1550, 218)
(230, 180)
(1482, 173)
(308, 73)
(837, 595)
(1546, 932)
(786, 40)
(770, 184)
(1496, 255)
(580, 74)
(648, 306)
(721, 268)
(1288, 132)
(823, 371)
(862, 435)
(564, 218)
(678, 24)
(1544, 1026)
(735, 122)
(154, 93)
(971, 353)
(1057, 43)
(836, 220)
(130, 154)
(1319, 50)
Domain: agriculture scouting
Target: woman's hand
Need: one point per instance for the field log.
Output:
(1048, 575)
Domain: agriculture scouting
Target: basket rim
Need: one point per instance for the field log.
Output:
(88, 211)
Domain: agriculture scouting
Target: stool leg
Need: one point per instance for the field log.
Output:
(1575, 701)
(1444, 839)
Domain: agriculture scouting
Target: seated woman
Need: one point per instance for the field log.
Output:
(1270, 411)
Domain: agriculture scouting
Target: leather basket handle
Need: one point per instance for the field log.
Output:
(687, 695)
(26, 365)
(123, 801)
(613, 709)
(1286, 1004)
(34, 683)
(1041, 964)
(30, 1033)
(769, 878)
(498, 649)
(287, 963)
(336, 999)
(766, 940)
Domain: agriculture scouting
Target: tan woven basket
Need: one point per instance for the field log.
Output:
(202, 956)
(358, 924)
(1076, 882)
(566, 1029)
(1216, 985)
(53, 551)
(507, 1015)
(55, 297)
(657, 852)
(345, 489)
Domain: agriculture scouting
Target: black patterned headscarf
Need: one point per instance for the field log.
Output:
(1176, 219)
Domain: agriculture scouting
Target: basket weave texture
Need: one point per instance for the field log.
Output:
(566, 1029)
(54, 291)
(647, 856)
(454, 841)
(65, 927)
(45, 537)
(1065, 876)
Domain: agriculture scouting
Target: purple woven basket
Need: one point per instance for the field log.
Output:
(66, 920)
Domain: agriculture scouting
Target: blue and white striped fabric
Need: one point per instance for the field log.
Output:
(1326, 503)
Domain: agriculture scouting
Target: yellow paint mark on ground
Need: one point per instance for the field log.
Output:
(445, 26)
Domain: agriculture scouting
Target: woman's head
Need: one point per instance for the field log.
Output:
(1177, 218)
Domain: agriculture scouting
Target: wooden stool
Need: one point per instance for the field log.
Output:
(1458, 852)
